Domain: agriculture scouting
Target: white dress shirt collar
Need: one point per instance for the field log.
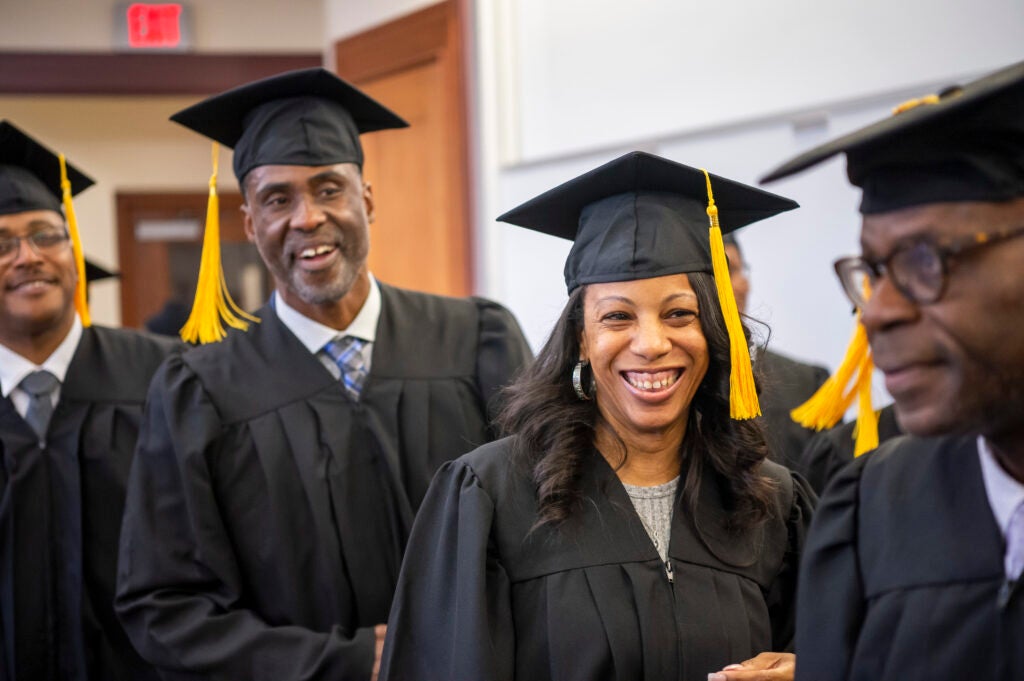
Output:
(1005, 492)
(14, 368)
(314, 335)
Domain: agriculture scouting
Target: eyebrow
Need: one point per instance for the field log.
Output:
(629, 301)
(325, 176)
(33, 226)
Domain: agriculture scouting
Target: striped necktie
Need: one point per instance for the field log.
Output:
(347, 353)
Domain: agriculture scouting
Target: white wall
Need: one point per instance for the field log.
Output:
(603, 72)
(736, 86)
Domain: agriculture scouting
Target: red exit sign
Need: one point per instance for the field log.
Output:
(145, 26)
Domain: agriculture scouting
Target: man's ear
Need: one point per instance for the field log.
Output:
(250, 232)
(368, 201)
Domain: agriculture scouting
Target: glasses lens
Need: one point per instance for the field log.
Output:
(856, 277)
(48, 239)
(8, 245)
(917, 271)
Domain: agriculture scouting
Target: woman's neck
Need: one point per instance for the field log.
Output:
(649, 459)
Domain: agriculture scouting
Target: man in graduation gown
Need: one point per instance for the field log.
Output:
(279, 471)
(72, 397)
(786, 383)
(912, 570)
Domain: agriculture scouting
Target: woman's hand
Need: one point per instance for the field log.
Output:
(764, 667)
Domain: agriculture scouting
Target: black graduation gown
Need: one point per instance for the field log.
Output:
(60, 515)
(828, 451)
(480, 597)
(785, 385)
(903, 572)
(267, 512)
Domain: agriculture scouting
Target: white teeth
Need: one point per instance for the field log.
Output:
(312, 252)
(647, 384)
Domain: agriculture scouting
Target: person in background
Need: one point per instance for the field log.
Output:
(277, 478)
(913, 565)
(828, 451)
(785, 382)
(72, 395)
(629, 527)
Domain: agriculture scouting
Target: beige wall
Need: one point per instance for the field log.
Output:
(218, 25)
(125, 144)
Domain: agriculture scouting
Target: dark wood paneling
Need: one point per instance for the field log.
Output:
(89, 73)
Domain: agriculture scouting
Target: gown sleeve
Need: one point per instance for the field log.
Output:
(451, 617)
(501, 353)
(830, 601)
(782, 595)
(180, 595)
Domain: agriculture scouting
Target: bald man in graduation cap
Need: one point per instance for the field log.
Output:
(72, 395)
(281, 468)
(913, 568)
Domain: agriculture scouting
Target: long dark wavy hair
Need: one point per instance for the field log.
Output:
(553, 431)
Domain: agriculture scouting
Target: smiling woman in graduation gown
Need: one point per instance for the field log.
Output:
(490, 589)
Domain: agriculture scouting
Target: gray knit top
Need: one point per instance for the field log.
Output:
(654, 506)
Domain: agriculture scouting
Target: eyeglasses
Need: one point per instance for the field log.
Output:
(45, 241)
(918, 269)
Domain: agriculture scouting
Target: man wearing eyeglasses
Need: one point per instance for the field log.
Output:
(913, 566)
(70, 408)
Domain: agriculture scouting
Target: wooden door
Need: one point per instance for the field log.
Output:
(421, 236)
(160, 240)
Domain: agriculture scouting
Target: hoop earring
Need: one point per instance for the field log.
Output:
(577, 380)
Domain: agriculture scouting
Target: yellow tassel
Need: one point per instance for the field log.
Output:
(914, 103)
(213, 302)
(743, 402)
(826, 407)
(81, 295)
(865, 432)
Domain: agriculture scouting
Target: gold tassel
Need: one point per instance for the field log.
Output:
(81, 294)
(914, 103)
(213, 302)
(826, 407)
(743, 402)
(865, 432)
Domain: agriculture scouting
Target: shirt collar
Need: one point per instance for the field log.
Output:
(14, 368)
(314, 335)
(1005, 493)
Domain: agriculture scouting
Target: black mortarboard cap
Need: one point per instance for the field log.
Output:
(641, 216)
(95, 272)
(964, 144)
(30, 174)
(308, 117)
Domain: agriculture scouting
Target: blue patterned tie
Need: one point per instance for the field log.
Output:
(347, 353)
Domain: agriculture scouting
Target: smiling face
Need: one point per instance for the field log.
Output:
(37, 290)
(955, 365)
(311, 227)
(648, 353)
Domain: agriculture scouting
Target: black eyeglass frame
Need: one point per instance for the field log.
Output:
(33, 241)
(943, 251)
